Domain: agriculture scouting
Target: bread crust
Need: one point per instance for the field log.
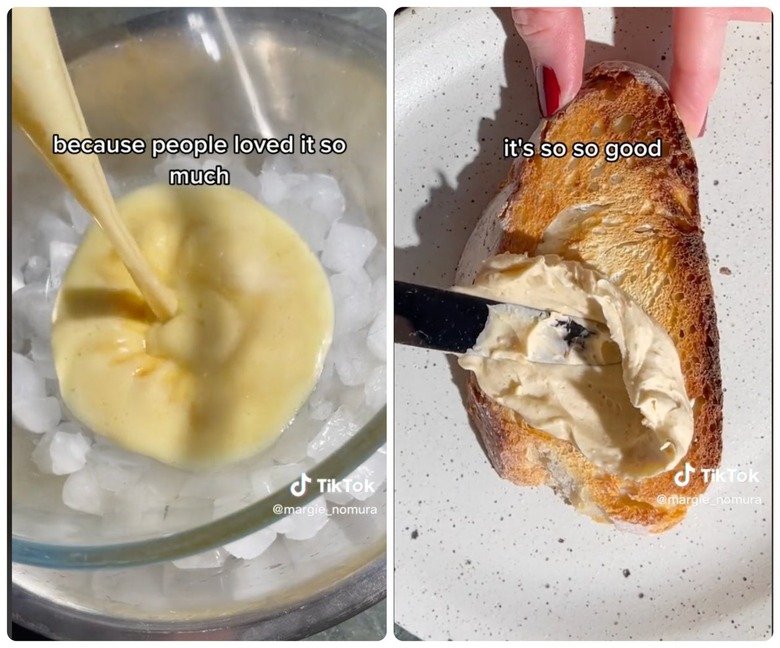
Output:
(643, 231)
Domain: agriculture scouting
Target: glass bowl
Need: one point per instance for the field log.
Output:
(190, 73)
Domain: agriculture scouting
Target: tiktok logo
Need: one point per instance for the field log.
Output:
(683, 477)
(709, 475)
(298, 488)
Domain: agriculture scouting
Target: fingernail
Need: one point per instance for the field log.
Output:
(549, 92)
(704, 124)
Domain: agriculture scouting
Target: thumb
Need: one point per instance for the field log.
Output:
(698, 40)
(556, 41)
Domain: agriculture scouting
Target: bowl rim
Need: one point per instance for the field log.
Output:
(366, 441)
(346, 596)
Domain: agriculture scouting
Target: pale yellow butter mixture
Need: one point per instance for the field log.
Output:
(627, 413)
(224, 376)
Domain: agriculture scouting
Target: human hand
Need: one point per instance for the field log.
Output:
(556, 41)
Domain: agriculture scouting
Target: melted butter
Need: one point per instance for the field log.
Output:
(222, 378)
(632, 418)
(43, 104)
(190, 328)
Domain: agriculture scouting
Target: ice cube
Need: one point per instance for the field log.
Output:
(306, 523)
(69, 452)
(241, 178)
(377, 336)
(326, 197)
(61, 453)
(32, 306)
(376, 388)
(353, 360)
(41, 455)
(49, 229)
(43, 358)
(282, 164)
(337, 430)
(60, 254)
(321, 411)
(117, 470)
(339, 497)
(326, 382)
(224, 506)
(352, 302)
(292, 444)
(379, 294)
(82, 492)
(266, 481)
(182, 513)
(253, 545)
(136, 509)
(35, 269)
(37, 414)
(75, 428)
(347, 247)
(376, 266)
(352, 399)
(369, 477)
(214, 485)
(311, 227)
(26, 382)
(165, 484)
(273, 187)
(79, 217)
(310, 203)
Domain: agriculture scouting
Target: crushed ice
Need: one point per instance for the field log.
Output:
(127, 489)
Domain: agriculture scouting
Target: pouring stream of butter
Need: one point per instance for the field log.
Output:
(44, 104)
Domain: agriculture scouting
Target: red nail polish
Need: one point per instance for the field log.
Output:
(704, 124)
(549, 92)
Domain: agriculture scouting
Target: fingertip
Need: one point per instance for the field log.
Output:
(690, 109)
(698, 41)
(555, 37)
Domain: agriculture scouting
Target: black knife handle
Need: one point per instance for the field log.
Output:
(437, 319)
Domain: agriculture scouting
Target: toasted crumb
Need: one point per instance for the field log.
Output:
(724, 270)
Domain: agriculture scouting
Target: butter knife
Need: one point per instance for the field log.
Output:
(449, 321)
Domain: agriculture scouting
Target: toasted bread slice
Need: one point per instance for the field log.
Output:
(637, 221)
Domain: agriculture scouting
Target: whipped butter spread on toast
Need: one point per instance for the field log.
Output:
(632, 417)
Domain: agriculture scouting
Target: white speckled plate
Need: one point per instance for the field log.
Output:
(476, 557)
